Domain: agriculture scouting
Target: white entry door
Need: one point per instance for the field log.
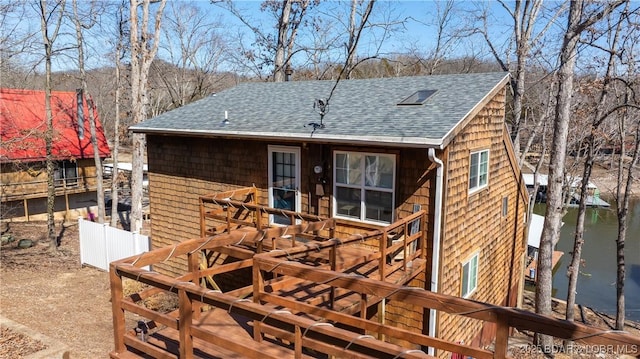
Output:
(284, 181)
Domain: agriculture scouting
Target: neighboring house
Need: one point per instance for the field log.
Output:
(380, 150)
(23, 153)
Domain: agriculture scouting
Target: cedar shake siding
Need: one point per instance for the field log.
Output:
(183, 168)
(473, 223)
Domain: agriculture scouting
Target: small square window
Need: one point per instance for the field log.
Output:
(505, 206)
(469, 276)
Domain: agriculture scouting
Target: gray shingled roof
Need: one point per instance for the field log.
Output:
(360, 111)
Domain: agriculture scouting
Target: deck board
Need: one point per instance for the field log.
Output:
(234, 328)
(346, 301)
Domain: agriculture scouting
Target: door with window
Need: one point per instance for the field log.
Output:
(284, 181)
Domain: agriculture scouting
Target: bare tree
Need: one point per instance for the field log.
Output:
(578, 21)
(16, 40)
(119, 53)
(332, 52)
(355, 30)
(48, 18)
(194, 48)
(445, 37)
(527, 34)
(144, 47)
(79, 25)
(623, 192)
(323, 104)
(270, 49)
(600, 115)
(628, 138)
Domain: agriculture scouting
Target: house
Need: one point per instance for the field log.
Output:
(23, 154)
(368, 154)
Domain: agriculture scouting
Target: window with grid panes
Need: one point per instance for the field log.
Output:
(364, 186)
(469, 276)
(478, 170)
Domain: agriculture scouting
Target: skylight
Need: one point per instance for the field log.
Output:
(418, 97)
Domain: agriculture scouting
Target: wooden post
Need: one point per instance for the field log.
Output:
(502, 336)
(203, 228)
(259, 218)
(404, 249)
(193, 264)
(363, 306)
(118, 313)
(259, 246)
(332, 263)
(258, 287)
(26, 209)
(66, 202)
(423, 236)
(228, 218)
(333, 257)
(382, 315)
(383, 255)
(184, 324)
(298, 342)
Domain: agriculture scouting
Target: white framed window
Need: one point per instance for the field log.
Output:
(469, 276)
(364, 185)
(478, 170)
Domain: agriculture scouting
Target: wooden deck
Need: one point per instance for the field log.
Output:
(310, 294)
(230, 337)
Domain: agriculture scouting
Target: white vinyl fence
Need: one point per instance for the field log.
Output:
(101, 244)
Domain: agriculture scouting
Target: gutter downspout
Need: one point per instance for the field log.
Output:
(437, 226)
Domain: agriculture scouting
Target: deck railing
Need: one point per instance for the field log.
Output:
(400, 249)
(304, 332)
(226, 211)
(38, 189)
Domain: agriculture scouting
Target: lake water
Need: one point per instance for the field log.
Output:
(596, 283)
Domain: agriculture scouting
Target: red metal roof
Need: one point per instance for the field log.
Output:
(23, 125)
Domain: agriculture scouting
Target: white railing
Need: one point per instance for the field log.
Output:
(101, 244)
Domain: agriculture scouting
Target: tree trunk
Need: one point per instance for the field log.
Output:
(48, 138)
(350, 62)
(555, 204)
(574, 267)
(116, 131)
(143, 51)
(91, 111)
(48, 40)
(622, 212)
(137, 188)
(620, 273)
(283, 29)
(573, 270)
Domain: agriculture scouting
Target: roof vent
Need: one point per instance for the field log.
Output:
(418, 98)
